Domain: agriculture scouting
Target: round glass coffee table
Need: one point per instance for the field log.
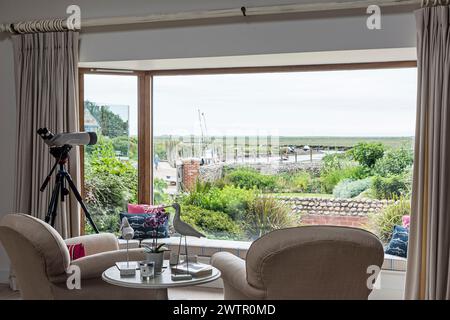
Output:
(160, 283)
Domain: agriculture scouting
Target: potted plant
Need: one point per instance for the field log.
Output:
(155, 252)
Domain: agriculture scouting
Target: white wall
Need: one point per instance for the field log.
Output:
(7, 143)
(237, 36)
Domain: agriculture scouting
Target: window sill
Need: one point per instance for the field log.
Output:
(207, 247)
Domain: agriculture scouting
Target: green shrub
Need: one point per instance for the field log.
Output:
(160, 150)
(232, 200)
(366, 194)
(331, 178)
(335, 161)
(214, 224)
(407, 177)
(248, 178)
(382, 223)
(109, 184)
(220, 183)
(394, 162)
(266, 214)
(125, 146)
(367, 153)
(337, 167)
(159, 194)
(301, 181)
(359, 172)
(351, 188)
(105, 223)
(315, 186)
(295, 182)
(390, 187)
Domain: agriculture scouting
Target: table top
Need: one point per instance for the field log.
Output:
(162, 281)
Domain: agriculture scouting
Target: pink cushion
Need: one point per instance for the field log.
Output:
(142, 208)
(405, 221)
(76, 251)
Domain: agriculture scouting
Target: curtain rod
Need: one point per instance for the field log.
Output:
(434, 3)
(32, 26)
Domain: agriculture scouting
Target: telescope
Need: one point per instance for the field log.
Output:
(69, 138)
(60, 145)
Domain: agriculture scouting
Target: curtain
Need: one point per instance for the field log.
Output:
(46, 69)
(428, 272)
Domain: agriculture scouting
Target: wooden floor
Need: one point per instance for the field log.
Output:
(190, 293)
(7, 294)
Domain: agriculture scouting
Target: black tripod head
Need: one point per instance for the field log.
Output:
(61, 153)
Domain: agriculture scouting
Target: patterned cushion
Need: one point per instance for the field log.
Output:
(398, 246)
(405, 221)
(142, 208)
(141, 231)
(76, 251)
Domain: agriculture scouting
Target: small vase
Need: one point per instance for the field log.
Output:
(157, 258)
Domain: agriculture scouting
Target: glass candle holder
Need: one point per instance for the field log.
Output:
(147, 269)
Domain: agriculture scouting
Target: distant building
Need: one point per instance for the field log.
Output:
(90, 123)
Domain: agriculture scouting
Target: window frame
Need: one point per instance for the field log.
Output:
(145, 106)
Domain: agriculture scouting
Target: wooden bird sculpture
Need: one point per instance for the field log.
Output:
(127, 233)
(182, 227)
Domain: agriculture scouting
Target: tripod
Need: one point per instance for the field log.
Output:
(62, 176)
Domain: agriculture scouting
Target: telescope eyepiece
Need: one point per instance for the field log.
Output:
(45, 133)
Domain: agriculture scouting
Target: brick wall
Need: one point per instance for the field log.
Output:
(347, 221)
(191, 170)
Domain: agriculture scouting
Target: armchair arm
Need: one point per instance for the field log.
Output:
(93, 266)
(234, 277)
(96, 243)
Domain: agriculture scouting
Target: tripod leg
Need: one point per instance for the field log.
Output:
(47, 179)
(54, 201)
(55, 206)
(80, 200)
(63, 188)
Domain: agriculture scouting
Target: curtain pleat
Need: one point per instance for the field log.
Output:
(428, 272)
(46, 68)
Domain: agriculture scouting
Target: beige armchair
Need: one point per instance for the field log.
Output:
(40, 259)
(311, 262)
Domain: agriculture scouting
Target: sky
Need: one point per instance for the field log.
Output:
(379, 102)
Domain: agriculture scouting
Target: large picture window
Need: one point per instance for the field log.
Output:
(245, 153)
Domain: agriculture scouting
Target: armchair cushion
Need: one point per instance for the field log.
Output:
(94, 265)
(96, 243)
(234, 274)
